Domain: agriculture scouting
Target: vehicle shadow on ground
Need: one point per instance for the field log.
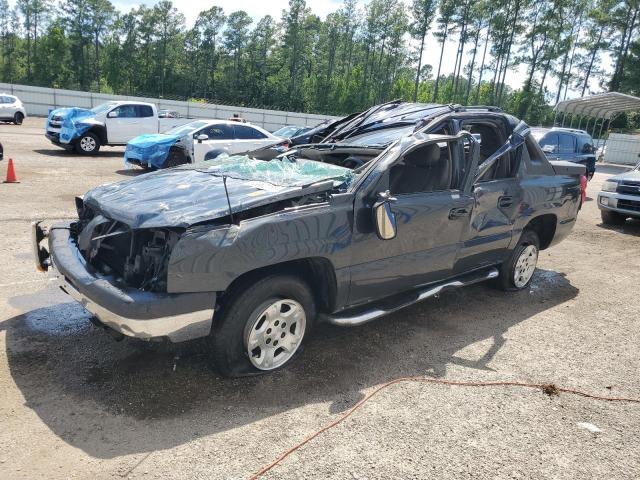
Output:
(132, 172)
(630, 227)
(61, 152)
(112, 398)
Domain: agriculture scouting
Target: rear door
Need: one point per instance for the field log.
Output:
(247, 137)
(497, 197)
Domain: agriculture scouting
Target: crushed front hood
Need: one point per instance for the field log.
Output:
(184, 196)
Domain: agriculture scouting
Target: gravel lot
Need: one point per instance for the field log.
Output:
(76, 404)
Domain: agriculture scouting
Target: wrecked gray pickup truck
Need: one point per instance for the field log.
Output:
(251, 254)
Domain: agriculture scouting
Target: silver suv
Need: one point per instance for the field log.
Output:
(11, 109)
(620, 197)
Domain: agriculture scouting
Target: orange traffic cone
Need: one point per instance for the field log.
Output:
(11, 173)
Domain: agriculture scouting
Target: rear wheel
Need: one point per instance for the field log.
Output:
(88, 144)
(517, 271)
(18, 118)
(261, 326)
(612, 218)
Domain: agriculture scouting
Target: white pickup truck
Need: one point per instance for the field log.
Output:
(111, 123)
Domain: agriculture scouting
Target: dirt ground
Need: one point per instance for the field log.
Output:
(76, 404)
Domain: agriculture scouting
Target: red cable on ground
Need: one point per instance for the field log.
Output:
(547, 388)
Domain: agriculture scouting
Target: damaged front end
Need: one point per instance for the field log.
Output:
(137, 258)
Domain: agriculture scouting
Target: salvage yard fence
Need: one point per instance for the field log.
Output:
(38, 101)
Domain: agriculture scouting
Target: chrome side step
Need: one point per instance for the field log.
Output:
(367, 315)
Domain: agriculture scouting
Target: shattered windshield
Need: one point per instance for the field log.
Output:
(103, 107)
(279, 172)
(186, 129)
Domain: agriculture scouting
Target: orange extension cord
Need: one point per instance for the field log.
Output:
(547, 388)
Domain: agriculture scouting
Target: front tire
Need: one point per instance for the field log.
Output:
(175, 158)
(261, 325)
(18, 118)
(612, 218)
(88, 144)
(517, 271)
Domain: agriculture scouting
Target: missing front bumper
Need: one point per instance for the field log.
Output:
(130, 311)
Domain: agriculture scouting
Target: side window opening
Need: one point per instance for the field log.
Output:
(144, 111)
(428, 168)
(491, 138)
(536, 155)
(126, 111)
(218, 132)
(244, 132)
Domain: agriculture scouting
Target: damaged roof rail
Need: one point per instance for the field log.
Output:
(488, 108)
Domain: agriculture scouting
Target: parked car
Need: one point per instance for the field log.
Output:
(196, 141)
(1, 152)
(343, 233)
(111, 123)
(290, 131)
(568, 144)
(11, 109)
(620, 197)
(168, 114)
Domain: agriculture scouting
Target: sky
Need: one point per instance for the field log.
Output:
(259, 8)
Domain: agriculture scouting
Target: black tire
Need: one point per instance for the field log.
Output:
(176, 157)
(18, 118)
(85, 142)
(241, 307)
(612, 218)
(507, 280)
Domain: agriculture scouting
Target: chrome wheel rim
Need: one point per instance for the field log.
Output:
(275, 333)
(525, 266)
(87, 144)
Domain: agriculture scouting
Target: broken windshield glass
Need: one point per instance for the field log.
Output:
(280, 172)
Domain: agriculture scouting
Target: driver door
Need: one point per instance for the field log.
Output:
(432, 207)
(219, 139)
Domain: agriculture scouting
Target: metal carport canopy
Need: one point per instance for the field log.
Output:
(604, 105)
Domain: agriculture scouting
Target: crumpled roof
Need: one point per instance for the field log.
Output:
(604, 105)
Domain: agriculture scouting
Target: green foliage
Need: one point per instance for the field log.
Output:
(361, 54)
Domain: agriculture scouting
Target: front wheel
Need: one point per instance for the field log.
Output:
(261, 326)
(88, 144)
(18, 118)
(517, 271)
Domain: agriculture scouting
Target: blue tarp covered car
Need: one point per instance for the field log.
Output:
(153, 150)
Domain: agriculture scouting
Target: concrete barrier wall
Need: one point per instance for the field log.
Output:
(623, 149)
(39, 100)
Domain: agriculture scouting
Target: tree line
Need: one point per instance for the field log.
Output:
(357, 56)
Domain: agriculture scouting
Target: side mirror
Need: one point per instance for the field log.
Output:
(384, 218)
(112, 114)
(202, 137)
(549, 148)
